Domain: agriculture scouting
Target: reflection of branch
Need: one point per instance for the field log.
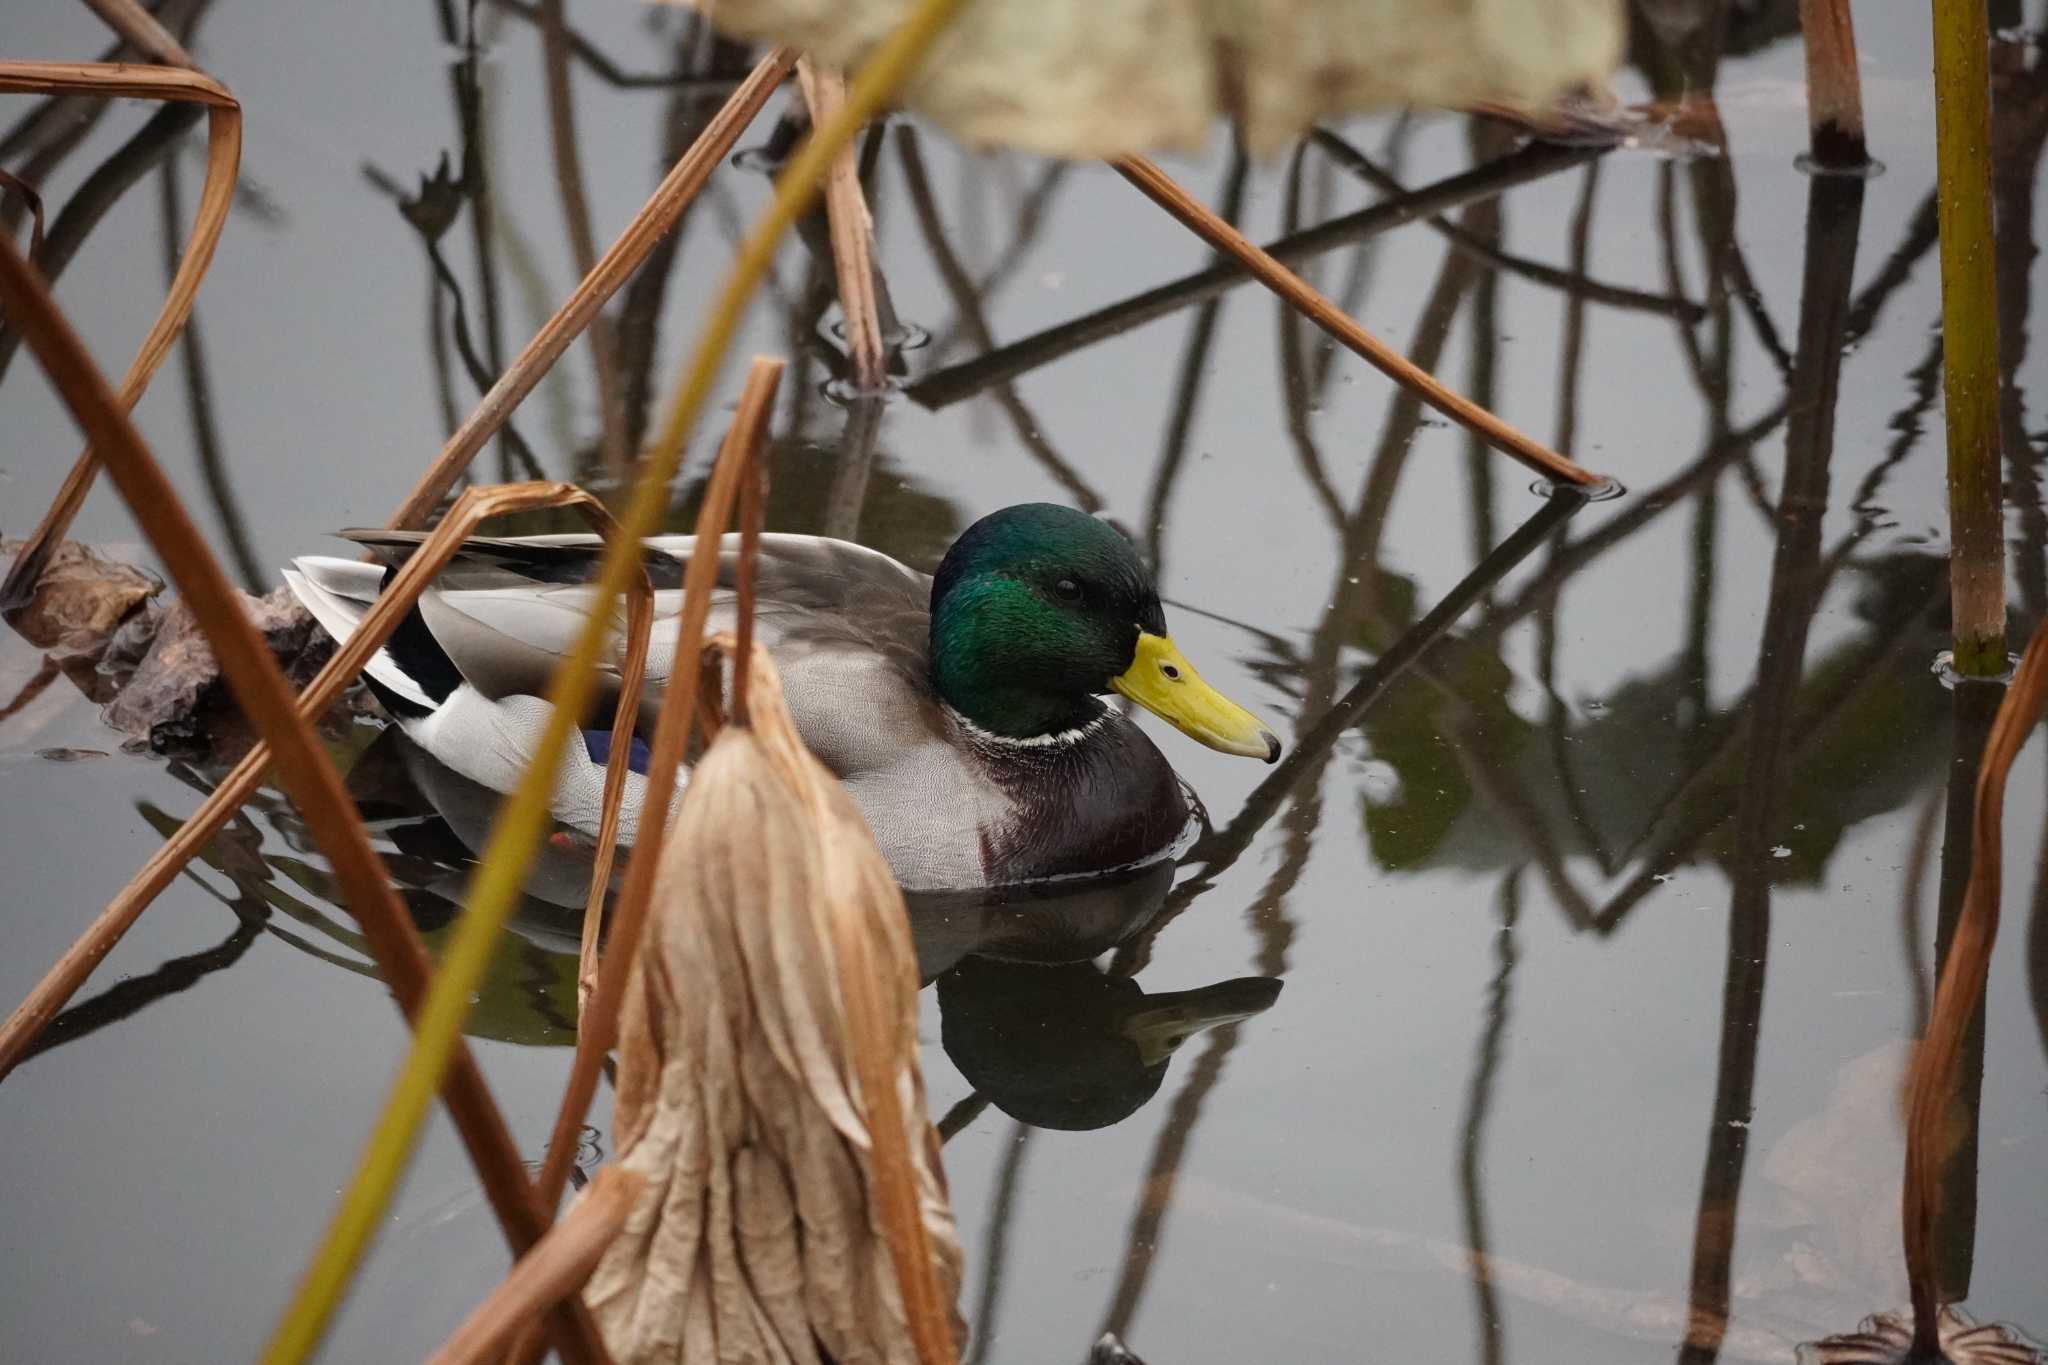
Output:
(1955, 1228)
(199, 402)
(967, 298)
(1194, 361)
(480, 374)
(1217, 850)
(963, 1112)
(1574, 282)
(1028, 222)
(1155, 1192)
(1478, 1101)
(950, 385)
(608, 71)
(1834, 217)
(1296, 383)
(856, 461)
(100, 191)
(133, 994)
(685, 117)
(1919, 852)
(1002, 1212)
(604, 343)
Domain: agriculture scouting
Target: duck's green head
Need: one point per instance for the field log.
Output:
(1038, 609)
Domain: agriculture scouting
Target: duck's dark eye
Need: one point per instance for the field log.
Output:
(1068, 589)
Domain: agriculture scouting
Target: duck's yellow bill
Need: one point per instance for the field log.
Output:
(1161, 680)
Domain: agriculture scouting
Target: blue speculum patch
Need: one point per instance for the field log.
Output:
(597, 744)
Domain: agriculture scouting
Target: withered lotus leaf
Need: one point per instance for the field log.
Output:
(1085, 79)
(771, 1003)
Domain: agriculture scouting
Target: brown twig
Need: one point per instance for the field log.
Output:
(1932, 1078)
(1162, 190)
(555, 1268)
(632, 675)
(223, 159)
(846, 211)
(140, 29)
(263, 693)
(655, 218)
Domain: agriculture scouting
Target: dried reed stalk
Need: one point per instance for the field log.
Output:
(1194, 215)
(1969, 333)
(1834, 90)
(748, 434)
(648, 226)
(600, 987)
(742, 460)
(555, 1268)
(223, 159)
(853, 237)
(677, 189)
(1931, 1081)
(768, 1083)
(521, 819)
(263, 693)
(142, 32)
(477, 505)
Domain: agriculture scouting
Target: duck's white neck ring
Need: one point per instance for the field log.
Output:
(1058, 740)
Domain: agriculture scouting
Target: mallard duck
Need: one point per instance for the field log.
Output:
(961, 709)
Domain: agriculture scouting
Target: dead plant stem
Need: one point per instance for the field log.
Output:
(1194, 215)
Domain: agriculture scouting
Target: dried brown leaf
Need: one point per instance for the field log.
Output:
(776, 973)
(179, 676)
(80, 599)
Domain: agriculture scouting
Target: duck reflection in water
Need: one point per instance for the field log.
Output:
(1032, 1023)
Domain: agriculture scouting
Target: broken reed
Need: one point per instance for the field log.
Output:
(1969, 324)
(1834, 90)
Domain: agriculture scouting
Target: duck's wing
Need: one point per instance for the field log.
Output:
(838, 617)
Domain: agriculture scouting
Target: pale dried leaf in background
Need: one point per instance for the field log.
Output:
(1085, 79)
(759, 1235)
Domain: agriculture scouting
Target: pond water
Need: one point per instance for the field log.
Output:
(1603, 927)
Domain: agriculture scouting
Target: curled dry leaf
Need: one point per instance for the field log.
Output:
(179, 675)
(1084, 79)
(80, 599)
(776, 972)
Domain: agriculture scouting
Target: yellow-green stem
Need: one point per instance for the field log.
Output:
(1969, 326)
(519, 825)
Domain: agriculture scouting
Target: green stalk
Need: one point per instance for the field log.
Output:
(1969, 324)
(520, 822)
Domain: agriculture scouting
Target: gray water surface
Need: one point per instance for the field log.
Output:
(1578, 975)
